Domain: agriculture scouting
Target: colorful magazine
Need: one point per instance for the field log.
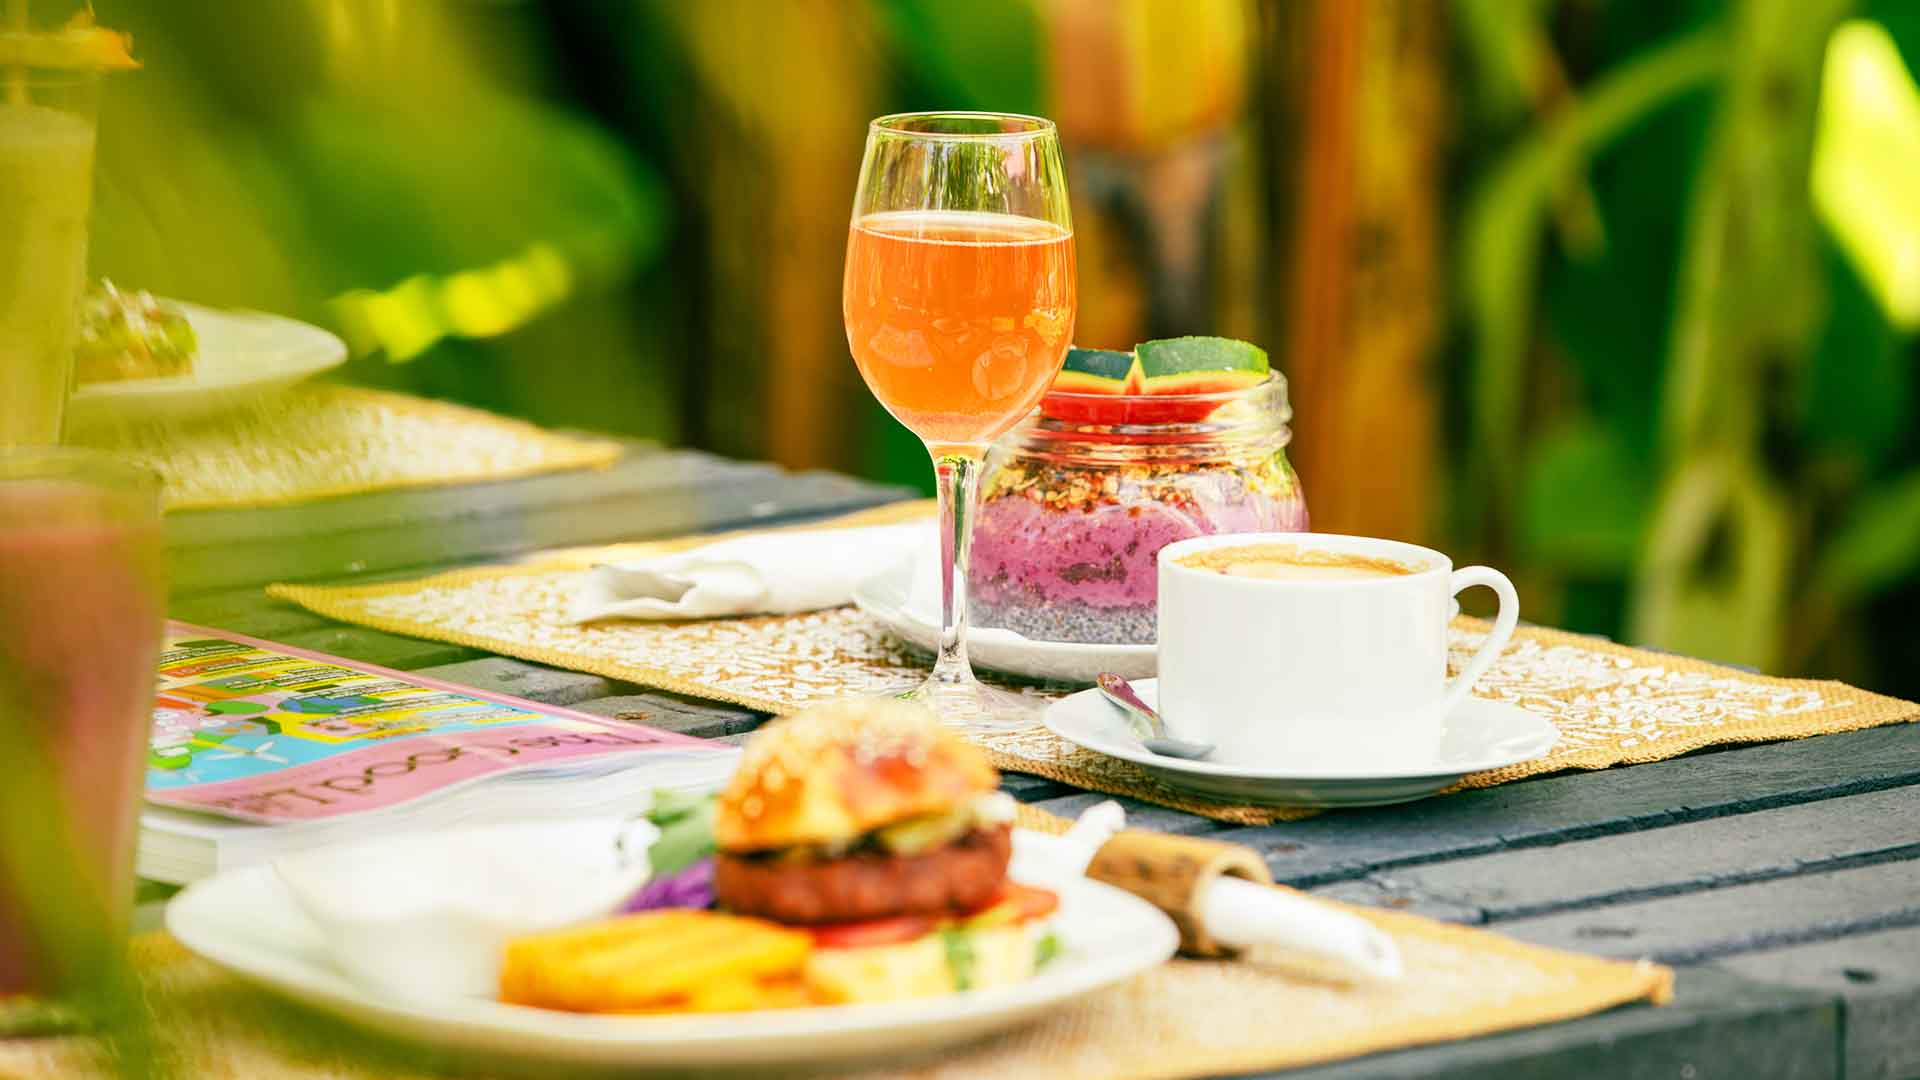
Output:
(262, 732)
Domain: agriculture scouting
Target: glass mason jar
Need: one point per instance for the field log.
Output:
(1078, 501)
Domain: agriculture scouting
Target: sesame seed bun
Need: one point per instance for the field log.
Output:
(837, 771)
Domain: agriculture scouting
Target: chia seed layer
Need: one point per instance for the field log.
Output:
(1061, 554)
(1070, 621)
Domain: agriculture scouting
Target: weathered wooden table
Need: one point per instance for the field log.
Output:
(1783, 880)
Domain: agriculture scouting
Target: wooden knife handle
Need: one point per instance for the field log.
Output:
(1170, 872)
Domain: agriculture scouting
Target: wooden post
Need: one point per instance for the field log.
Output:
(787, 92)
(1358, 280)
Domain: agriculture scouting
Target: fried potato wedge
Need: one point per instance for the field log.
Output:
(656, 961)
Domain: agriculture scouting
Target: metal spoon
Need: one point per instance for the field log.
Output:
(1158, 739)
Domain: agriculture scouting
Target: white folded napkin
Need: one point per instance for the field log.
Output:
(1296, 934)
(1273, 928)
(766, 574)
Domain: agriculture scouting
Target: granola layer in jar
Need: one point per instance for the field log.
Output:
(1073, 513)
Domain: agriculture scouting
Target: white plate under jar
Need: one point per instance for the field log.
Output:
(904, 601)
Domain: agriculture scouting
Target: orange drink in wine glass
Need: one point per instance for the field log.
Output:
(959, 302)
(958, 319)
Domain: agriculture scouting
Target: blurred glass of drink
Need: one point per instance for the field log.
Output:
(82, 598)
(46, 189)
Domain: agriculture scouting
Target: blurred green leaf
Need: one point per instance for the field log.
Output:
(403, 194)
(1718, 562)
(984, 54)
(1586, 502)
(1504, 38)
(1857, 392)
(1609, 314)
(1521, 74)
(1504, 219)
(1902, 20)
(1714, 580)
(221, 222)
(1866, 164)
(1876, 545)
(1748, 298)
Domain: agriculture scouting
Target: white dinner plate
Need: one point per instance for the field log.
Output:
(244, 921)
(243, 355)
(1480, 735)
(888, 598)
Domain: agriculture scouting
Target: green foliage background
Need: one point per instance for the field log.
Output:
(1692, 419)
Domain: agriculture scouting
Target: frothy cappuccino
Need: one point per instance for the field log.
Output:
(1309, 651)
(1285, 562)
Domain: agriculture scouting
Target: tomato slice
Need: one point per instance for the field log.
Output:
(1012, 905)
(1032, 903)
(892, 930)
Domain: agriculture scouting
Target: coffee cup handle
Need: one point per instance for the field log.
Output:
(1503, 624)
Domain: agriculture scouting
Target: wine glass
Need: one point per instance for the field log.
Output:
(959, 304)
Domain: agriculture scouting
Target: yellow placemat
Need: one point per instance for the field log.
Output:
(1185, 1018)
(1613, 704)
(321, 441)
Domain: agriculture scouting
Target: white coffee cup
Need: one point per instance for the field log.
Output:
(1317, 673)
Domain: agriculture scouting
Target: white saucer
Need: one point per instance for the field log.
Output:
(243, 355)
(245, 921)
(888, 599)
(1480, 735)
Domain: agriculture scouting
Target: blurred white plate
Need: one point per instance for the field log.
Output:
(902, 601)
(243, 355)
(245, 921)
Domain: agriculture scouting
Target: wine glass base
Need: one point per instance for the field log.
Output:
(973, 705)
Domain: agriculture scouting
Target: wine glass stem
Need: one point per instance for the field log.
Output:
(957, 474)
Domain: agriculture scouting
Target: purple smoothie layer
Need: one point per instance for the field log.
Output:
(1087, 571)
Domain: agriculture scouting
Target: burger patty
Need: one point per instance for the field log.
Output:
(958, 876)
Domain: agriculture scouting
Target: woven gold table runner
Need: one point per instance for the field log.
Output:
(1613, 704)
(322, 441)
(1185, 1018)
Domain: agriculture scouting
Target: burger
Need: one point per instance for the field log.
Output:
(884, 836)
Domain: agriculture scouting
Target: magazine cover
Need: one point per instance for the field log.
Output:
(264, 732)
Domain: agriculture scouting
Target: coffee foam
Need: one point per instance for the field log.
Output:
(1288, 562)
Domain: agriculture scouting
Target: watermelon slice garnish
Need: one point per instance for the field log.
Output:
(1200, 365)
(1173, 381)
(1091, 384)
(1098, 371)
